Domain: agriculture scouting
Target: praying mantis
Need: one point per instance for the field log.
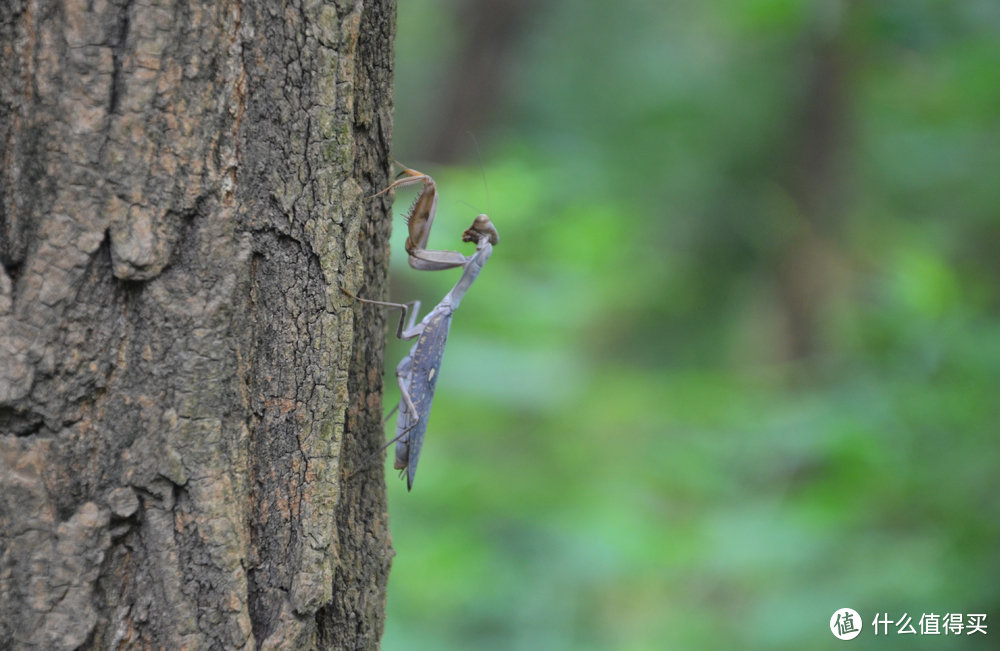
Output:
(417, 372)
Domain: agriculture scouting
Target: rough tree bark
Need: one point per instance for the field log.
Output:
(183, 388)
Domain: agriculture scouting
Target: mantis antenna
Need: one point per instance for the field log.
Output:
(482, 170)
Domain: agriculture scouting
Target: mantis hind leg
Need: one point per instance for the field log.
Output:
(367, 462)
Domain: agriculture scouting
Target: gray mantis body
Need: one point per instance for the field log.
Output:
(417, 373)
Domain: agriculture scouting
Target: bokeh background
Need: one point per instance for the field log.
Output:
(735, 361)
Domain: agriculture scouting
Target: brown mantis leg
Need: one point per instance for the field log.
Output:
(419, 220)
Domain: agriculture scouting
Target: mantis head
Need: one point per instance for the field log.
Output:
(481, 227)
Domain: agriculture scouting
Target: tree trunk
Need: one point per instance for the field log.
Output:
(184, 390)
(475, 85)
(811, 271)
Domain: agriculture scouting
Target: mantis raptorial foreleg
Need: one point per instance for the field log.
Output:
(419, 220)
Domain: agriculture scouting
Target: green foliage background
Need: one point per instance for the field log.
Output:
(626, 450)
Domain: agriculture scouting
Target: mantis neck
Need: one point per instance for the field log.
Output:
(471, 271)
